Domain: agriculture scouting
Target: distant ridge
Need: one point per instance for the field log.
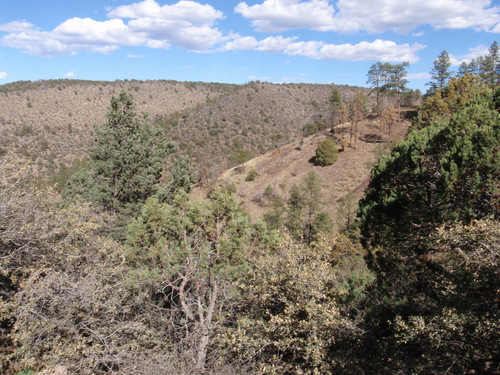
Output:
(48, 123)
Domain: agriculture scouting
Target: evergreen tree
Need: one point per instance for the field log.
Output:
(376, 78)
(446, 171)
(274, 216)
(294, 213)
(180, 179)
(489, 65)
(337, 109)
(194, 253)
(126, 160)
(440, 72)
(326, 153)
(463, 69)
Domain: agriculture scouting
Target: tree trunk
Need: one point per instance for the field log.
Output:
(205, 322)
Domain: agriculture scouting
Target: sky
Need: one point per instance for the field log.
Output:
(280, 41)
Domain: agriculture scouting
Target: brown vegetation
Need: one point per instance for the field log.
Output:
(47, 123)
(281, 169)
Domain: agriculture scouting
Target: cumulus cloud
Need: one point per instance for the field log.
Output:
(3, 75)
(16, 26)
(405, 16)
(474, 53)
(382, 50)
(186, 24)
(378, 17)
(185, 10)
(281, 15)
(70, 74)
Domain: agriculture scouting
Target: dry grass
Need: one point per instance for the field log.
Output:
(51, 122)
(289, 165)
(47, 123)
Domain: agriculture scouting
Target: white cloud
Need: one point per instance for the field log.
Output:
(240, 43)
(189, 11)
(382, 50)
(3, 75)
(255, 78)
(378, 17)
(186, 24)
(70, 74)
(134, 56)
(281, 15)
(16, 26)
(474, 53)
(405, 16)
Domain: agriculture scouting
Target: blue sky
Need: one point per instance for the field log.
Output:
(312, 41)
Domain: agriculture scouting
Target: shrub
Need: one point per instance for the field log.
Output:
(251, 175)
(326, 153)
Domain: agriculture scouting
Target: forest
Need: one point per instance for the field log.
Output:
(114, 267)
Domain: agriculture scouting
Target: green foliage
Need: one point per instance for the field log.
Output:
(60, 179)
(440, 305)
(194, 252)
(312, 128)
(181, 178)
(295, 313)
(338, 112)
(126, 161)
(326, 153)
(448, 171)
(304, 219)
(240, 156)
(440, 73)
(62, 296)
(252, 173)
(274, 217)
(449, 100)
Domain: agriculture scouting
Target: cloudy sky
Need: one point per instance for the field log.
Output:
(317, 41)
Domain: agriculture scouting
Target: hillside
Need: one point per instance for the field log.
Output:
(279, 170)
(46, 123)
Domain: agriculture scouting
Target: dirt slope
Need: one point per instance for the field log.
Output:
(289, 165)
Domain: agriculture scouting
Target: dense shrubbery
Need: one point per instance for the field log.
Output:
(433, 206)
(444, 172)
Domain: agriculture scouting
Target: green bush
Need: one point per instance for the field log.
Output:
(251, 175)
(326, 153)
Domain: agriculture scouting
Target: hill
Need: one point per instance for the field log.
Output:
(49, 123)
(279, 170)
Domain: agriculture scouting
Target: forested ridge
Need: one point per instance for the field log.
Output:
(114, 267)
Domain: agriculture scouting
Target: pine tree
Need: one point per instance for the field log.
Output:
(337, 109)
(357, 112)
(440, 73)
(444, 172)
(126, 160)
(377, 76)
(180, 179)
(489, 65)
(326, 153)
(194, 253)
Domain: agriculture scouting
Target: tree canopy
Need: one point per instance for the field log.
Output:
(126, 160)
(446, 171)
